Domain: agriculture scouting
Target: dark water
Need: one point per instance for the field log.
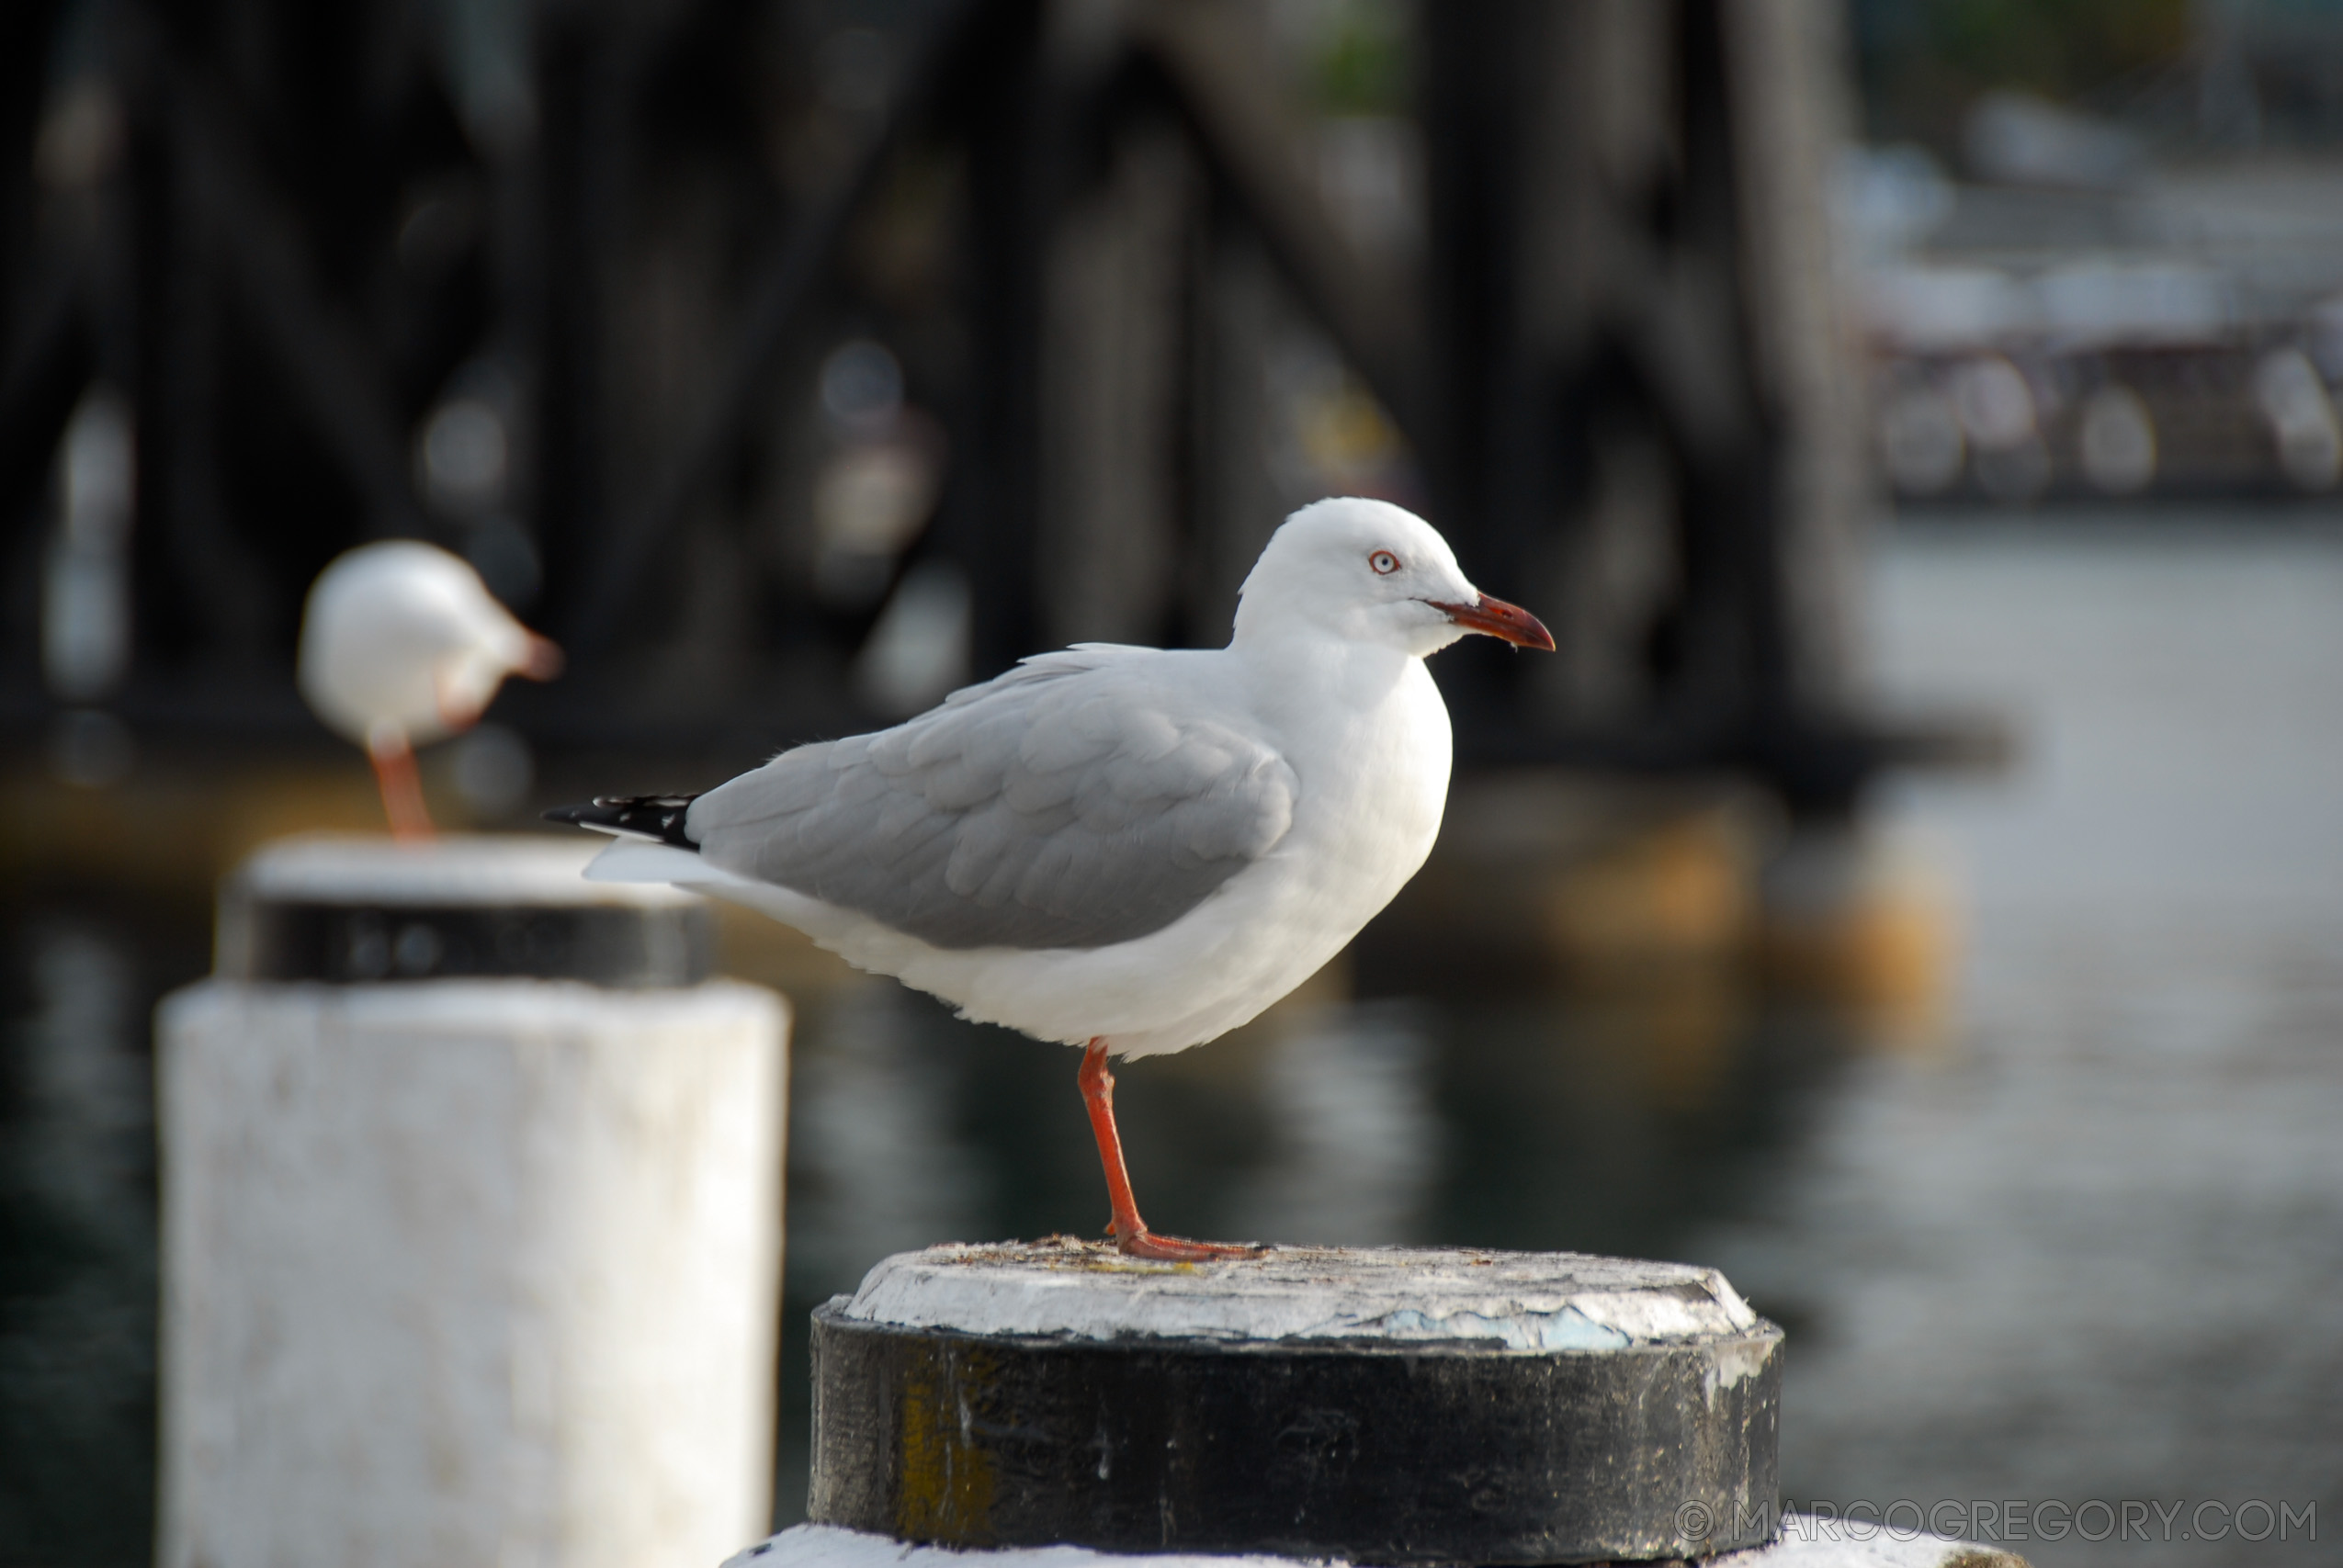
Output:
(81, 974)
(2095, 1253)
(2087, 1248)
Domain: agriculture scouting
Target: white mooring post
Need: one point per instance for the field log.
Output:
(472, 1220)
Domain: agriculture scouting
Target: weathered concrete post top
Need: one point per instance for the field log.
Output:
(472, 1219)
(1449, 1406)
(356, 910)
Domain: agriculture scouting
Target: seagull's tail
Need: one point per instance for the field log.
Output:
(658, 819)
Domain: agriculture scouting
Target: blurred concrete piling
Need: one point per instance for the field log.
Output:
(472, 1219)
(1865, 920)
(1617, 886)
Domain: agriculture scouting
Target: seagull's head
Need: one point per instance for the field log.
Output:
(1369, 571)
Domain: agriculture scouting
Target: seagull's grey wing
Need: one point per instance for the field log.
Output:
(1075, 802)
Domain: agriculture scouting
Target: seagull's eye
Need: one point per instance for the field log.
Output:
(1384, 562)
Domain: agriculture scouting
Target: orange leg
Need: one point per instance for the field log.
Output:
(1131, 1234)
(394, 770)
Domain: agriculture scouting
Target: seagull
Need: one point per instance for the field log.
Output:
(1131, 850)
(402, 644)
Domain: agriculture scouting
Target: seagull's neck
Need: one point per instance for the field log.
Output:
(1362, 725)
(1307, 672)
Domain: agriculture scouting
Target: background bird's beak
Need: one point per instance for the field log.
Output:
(1498, 619)
(543, 660)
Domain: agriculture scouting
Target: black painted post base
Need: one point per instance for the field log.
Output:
(1381, 1406)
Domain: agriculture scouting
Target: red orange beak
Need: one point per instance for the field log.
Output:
(1498, 619)
(543, 660)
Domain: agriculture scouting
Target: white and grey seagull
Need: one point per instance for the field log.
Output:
(1132, 850)
(402, 644)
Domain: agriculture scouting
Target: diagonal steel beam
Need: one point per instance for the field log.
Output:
(47, 361)
(1213, 57)
(320, 351)
(791, 274)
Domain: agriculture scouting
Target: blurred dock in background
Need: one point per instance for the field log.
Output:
(792, 365)
(2130, 290)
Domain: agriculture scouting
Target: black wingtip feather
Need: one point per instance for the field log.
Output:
(657, 818)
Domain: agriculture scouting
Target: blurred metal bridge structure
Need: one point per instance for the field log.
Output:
(718, 333)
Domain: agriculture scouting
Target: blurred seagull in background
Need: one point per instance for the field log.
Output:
(1126, 849)
(402, 645)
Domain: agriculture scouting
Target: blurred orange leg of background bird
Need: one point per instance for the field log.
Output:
(394, 770)
(1131, 1234)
